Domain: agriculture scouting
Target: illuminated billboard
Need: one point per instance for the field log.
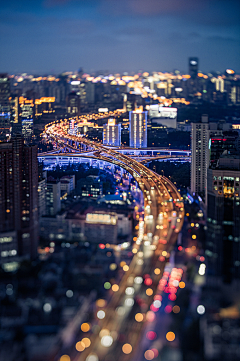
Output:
(101, 218)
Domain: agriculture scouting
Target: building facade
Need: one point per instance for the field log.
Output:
(112, 133)
(18, 199)
(200, 156)
(201, 134)
(223, 235)
(5, 126)
(53, 194)
(91, 186)
(193, 67)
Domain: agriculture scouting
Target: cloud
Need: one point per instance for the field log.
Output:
(136, 31)
(52, 3)
(223, 39)
(205, 12)
(152, 7)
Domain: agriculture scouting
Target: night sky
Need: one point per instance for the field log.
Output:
(53, 36)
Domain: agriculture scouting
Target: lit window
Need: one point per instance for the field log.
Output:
(4, 253)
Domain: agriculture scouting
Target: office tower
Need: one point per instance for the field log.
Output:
(223, 235)
(53, 194)
(18, 200)
(193, 67)
(200, 145)
(5, 126)
(138, 128)
(112, 133)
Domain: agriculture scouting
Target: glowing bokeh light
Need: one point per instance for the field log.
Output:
(100, 302)
(107, 341)
(127, 348)
(151, 335)
(103, 332)
(64, 358)
(92, 357)
(149, 355)
(149, 292)
(176, 309)
(80, 346)
(115, 288)
(85, 327)
(150, 316)
(201, 310)
(101, 314)
(139, 317)
(86, 341)
(170, 336)
(181, 284)
(107, 285)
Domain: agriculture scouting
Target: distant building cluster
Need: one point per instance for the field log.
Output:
(28, 102)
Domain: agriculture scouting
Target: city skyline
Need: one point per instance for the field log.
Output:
(52, 36)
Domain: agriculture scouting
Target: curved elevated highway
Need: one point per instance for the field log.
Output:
(158, 232)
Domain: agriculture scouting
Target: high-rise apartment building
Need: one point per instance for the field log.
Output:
(5, 126)
(138, 128)
(112, 133)
(26, 113)
(200, 156)
(193, 67)
(18, 200)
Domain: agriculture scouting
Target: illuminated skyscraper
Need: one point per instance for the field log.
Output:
(112, 133)
(16, 122)
(138, 128)
(26, 113)
(200, 156)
